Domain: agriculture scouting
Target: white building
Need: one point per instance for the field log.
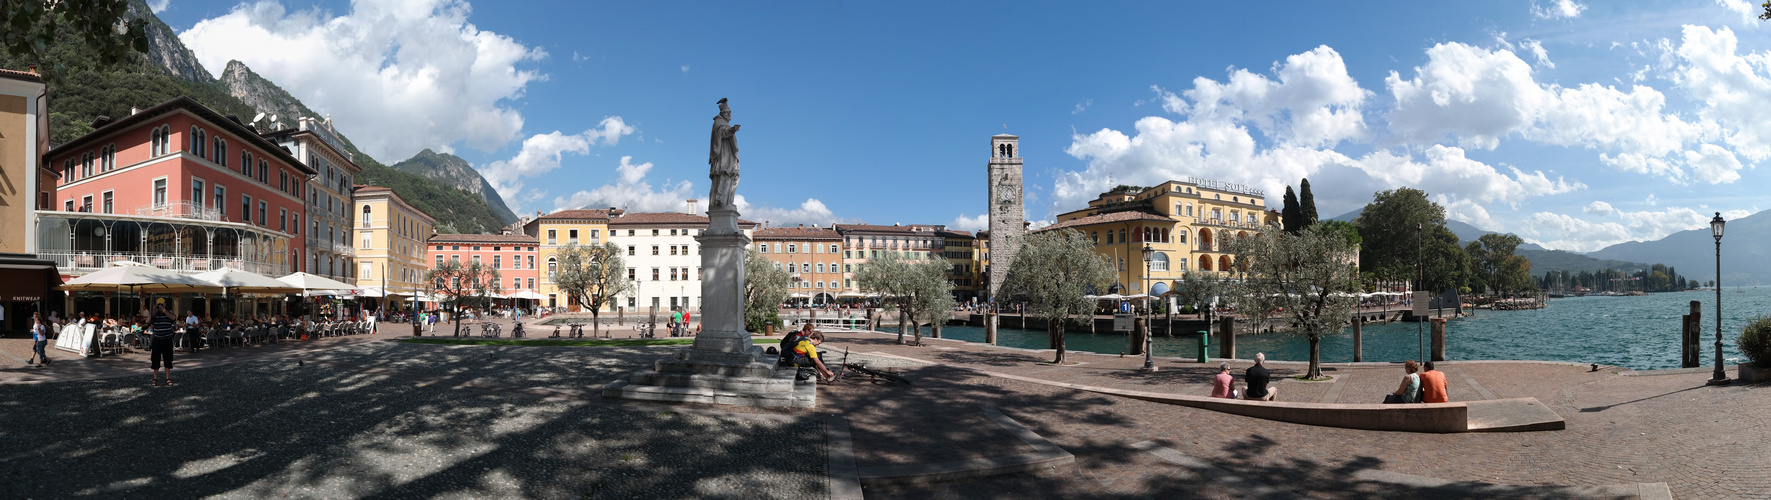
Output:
(663, 259)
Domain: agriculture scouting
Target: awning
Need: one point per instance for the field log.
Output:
(24, 278)
(1159, 288)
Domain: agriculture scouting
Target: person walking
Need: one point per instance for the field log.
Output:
(162, 344)
(39, 340)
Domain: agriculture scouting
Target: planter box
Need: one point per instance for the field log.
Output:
(1751, 372)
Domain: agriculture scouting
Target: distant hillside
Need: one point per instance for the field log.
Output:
(84, 92)
(1746, 246)
(1542, 260)
(451, 170)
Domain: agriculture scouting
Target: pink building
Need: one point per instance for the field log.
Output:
(176, 186)
(513, 255)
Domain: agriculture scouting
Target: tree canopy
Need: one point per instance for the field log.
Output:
(463, 285)
(1306, 204)
(1309, 276)
(918, 287)
(592, 275)
(1052, 272)
(765, 288)
(1493, 257)
(100, 26)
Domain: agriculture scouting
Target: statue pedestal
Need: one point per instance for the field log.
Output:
(723, 366)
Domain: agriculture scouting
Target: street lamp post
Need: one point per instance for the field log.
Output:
(1149, 340)
(1720, 377)
(1420, 280)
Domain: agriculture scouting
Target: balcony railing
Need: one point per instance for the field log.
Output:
(181, 209)
(1201, 221)
(85, 262)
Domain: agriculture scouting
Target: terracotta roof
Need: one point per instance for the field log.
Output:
(522, 239)
(798, 233)
(21, 75)
(196, 108)
(598, 213)
(660, 218)
(950, 233)
(1105, 219)
(906, 229)
(367, 188)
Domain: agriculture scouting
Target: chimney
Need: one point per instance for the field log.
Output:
(693, 206)
(133, 110)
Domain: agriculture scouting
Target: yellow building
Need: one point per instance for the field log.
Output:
(1185, 222)
(961, 250)
(390, 240)
(565, 227)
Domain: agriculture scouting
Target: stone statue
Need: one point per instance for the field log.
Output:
(723, 158)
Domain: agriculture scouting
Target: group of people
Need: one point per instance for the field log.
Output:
(1417, 386)
(799, 348)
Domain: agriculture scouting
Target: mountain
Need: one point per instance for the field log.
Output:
(82, 90)
(1746, 246)
(451, 170)
(1542, 259)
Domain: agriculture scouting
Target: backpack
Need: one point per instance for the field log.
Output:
(787, 343)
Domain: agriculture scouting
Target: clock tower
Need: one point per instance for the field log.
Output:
(1007, 216)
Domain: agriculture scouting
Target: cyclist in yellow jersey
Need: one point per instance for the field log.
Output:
(805, 353)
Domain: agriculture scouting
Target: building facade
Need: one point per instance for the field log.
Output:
(175, 186)
(663, 258)
(25, 188)
(960, 249)
(556, 231)
(865, 242)
(1187, 223)
(813, 255)
(390, 237)
(514, 256)
(328, 249)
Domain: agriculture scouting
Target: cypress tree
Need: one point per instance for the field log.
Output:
(1306, 205)
(1289, 216)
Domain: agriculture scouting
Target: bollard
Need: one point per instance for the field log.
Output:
(1227, 338)
(1438, 351)
(1358, 339)
(990, 327)
(1204, 342)
(1692, 336)
(1139, 331)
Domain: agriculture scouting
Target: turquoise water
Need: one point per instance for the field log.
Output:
(1635, 332)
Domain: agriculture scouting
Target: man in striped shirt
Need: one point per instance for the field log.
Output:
(161, 324)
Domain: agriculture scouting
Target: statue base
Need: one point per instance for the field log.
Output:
(689, 376)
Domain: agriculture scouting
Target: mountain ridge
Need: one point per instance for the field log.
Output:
(451, 170)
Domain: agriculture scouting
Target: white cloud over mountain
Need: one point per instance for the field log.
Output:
(542, 153)
(397, 76)
(632, 192)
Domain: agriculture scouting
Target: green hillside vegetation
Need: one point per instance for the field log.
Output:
(85, 90)
(1556, 260)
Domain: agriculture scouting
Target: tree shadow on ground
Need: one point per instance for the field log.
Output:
(390, 419)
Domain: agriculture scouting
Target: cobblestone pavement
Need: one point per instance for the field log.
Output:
(394, 420)
(1706, 442)
(385, 419)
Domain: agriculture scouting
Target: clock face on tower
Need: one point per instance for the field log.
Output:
(1005, 196)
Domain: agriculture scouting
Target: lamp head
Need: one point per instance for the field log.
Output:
(1716, 226)
(1149, 253)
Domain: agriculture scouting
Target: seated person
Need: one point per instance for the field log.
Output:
(805, 354)
(1410, 390)
(1220, 385)
(1258, 377)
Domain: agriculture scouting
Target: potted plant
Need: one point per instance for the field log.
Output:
(1755, 343)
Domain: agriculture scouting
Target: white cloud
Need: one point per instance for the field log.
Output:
(1312, 101)
(1735, 88)
(1537, 51)
(158, 6)
(685, 68)
(1609, 226)
(402, 76)
(1713, 164)
(1652, 200)
(632, 192)
(541, 154)
(809, 212)
(1472, 93)
(1447, 171)
(963, 223)
(1749, 11)
(1082, 106)
(1559, 9)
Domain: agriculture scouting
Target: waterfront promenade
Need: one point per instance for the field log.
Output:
(364, 416)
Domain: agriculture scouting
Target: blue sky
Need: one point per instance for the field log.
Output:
(1576, 125)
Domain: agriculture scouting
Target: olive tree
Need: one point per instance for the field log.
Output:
(1311, 276)
(1053, 272)
(765, 287)
(463, 285)
(916, 287)
(593, 275)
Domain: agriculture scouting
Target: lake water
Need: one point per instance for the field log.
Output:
(1635, 332)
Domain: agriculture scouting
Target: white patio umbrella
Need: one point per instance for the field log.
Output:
(237, 281)
(138, 278)
(307, 281)
(527, 294)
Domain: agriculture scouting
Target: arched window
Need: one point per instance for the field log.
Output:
(245, 158)
(264, 172)
(1158, 261)
(367, 218)
(553, 266)
(221, 151)
(1223, 263)
(196, 142)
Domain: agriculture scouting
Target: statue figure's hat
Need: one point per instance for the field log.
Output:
(722, 100)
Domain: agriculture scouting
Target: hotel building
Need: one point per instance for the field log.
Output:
(813, 255)
(662, 257)
(1187, 223)
(391, 237)
(328, 248)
